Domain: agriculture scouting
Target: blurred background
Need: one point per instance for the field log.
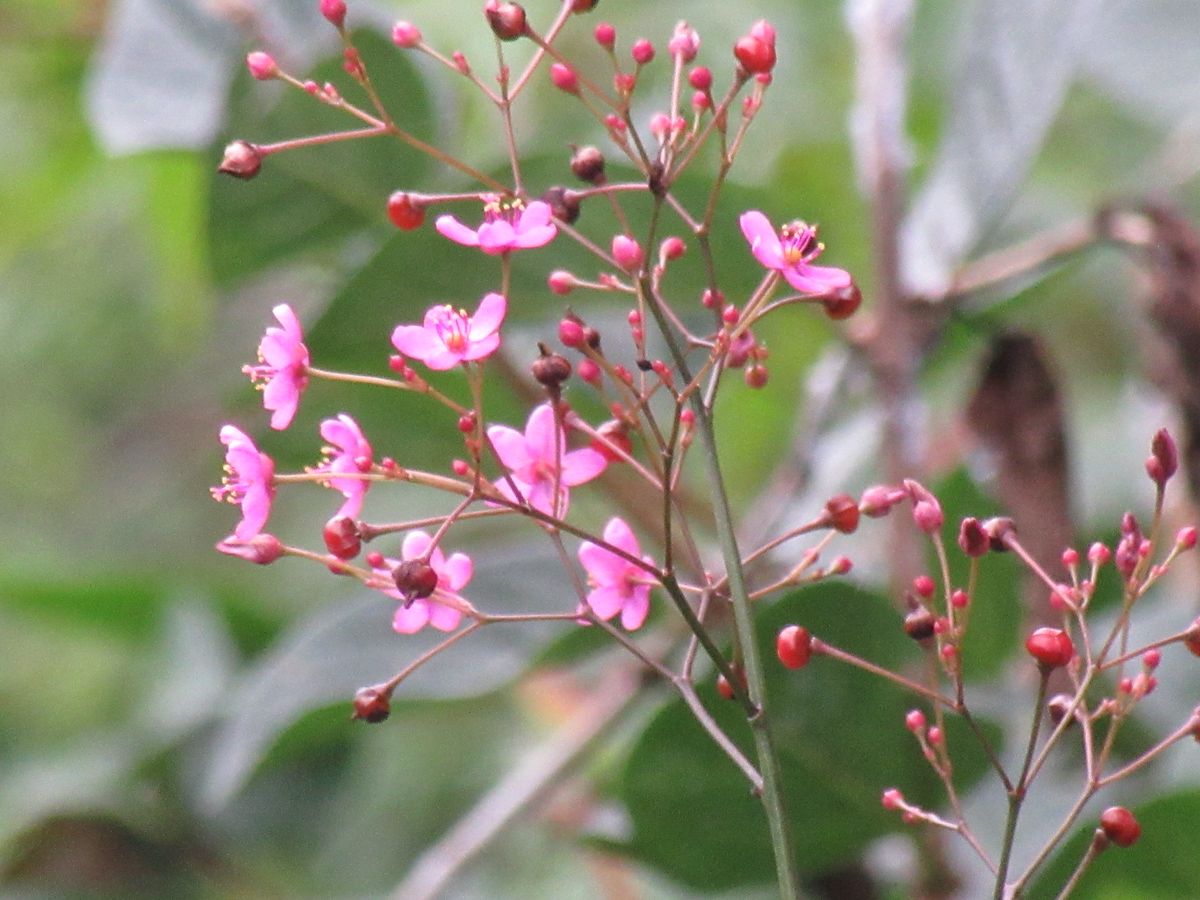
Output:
(173, 722)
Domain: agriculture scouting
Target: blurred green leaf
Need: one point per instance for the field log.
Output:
(841, 742)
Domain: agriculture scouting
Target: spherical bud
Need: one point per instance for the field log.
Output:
(1186, 538)
(915, 721)
(756, 376)
(919, 623)
(730, 315)
(571, 331)
(934, 736)
(507, 20)
(262, 549)
(262, 65)
(561, 282)
(460, 468)
(406, 213)
(590, 372)
(342, 537)
(563, 203)
(960, 599)
(841, 565)
(581, 6)
(941, 625)
(843, 302)
(1120, 826)
(1164, 458)
(460, 62)
(701, 78)
(924, 586)
(927, 516)
(468, 422)
(660, 127)
(892, 799)
(642, 51)
(564, 78)
(971, 538)
(1070, 557)
(998, 529)
(415, 579)
(671, 248)
(948, 652)
(1151, 658)
(406, 35)
(725, 689)
(684, 43)
(1057, 708)
(627, 252)
(1099, 554)
(550, 370)
(877, 501)
(1191, 638)
(700, 101)
(241, 160)
(605, 35)
(842, 512)
(372, 704)
(587, 163)
(711, 299)
(793, 646)
(334, 11)
(754, 55)
(1051, 647)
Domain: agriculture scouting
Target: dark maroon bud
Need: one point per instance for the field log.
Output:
(843, 302)
(1057, 707)
(1120, 826)
(342, 537)
(842, 510)
(1164, 456)
(972, 539)
(415, 579)
(262, 549)
(242, 160)
(588, 164)
(506, 19)
(563, 203)
(550, 369)
(372, 704)
(997, 529)
(582, 6)
(919, 624)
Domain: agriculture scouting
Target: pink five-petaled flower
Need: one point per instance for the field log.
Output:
(247, 482)
(450, 336)
(283, 365)
(444, 608)
(349, 456)
(790, 251)
(618, 586)
(507, 225)
(538, 459)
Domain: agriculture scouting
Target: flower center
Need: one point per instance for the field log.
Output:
(453, 327)
(503, 210)
(799, 240)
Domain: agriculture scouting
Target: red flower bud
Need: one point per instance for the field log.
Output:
(262, 65)
(334, 11)
(606, 35)
(507, 20)
(1051, 647)
(406, 213)
(642, 51)
(406, 35)
(843, 513)
(754, 55)
(1119, 826)
(241, 160)
(843, 302)
(564, 78)
(1164, 458)
(793, 646)
(372, 704)
(342, 537)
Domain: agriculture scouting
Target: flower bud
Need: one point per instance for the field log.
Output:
(561, 282)
(342, 537)
(877, 501)
(642, 51)
(1185, 539)
(671, 248)
(1098, 554)
(564, 78)
(582, 6)
(564, 204)
(1057, 707)
(1120, 826)
(701, 78)
(406, 213)
(684, 43)
(372, 704)
(589, 372)
(605, 35)
(914, 721)
(998, 529)
(334, 11)
(241, 160)
(843, 302)
(262, 65)
(1051, 647)
(262, 549)
(415, 579)
(919, 624)
(756, 376)
(587, 163)
(627, 252)
(793, 646)
(571, 331)
(507, 20)
(892, 799)
(1164, 458)
(754, 55)
(926, 511)
(615, 434)
(406, 35)
(971, 538)
(843, 513)
(550, 370)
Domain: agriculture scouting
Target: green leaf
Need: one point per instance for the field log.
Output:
(841, 742)
(1162, 865)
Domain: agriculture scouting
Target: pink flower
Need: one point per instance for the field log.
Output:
(450, 336)
(790, 252)
(539, 458)
(444, 608)
(247, 482)
(349, 456)
(283, 366)
(618, 586)
(507, 225)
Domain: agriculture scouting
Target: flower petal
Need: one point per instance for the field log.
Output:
(450, 227)
(416, 341)
(415, 546)
(764, 241)
(543, 436)
(442, 617)
(488, 317)
(481, 348)
(496, 237)
(637, 605)
(534, 237)
(582, 465)
(816, 280)
(281, 396)
(537, 214)
(511, 448)
(411, 619)
(457, 571)
(605, 602)
(602, 566)
(618, 533)
(444, 359)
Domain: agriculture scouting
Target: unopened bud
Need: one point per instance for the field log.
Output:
(642, 51)
(550, 370)
(262, 65)
(971, 538)
(334, 11)
(605, 35)
(614, 434)
(406, 213)
(564, 204)
(998, 529)
(587, 163)
(372, 704)
(684, 43)
(1164, 458)
(342, 537)
(877, 501)
(843, 302)
(415, 579)
(241, 160)
(843, 513)
(754, 55)
(627, 252)
(262, 549)
(507, 20)
(406, 35)
(564, 78)
(561, 282)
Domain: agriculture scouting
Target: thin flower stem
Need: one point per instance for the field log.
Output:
(423, 388)
(1095, 848)
(704, 717)
(822, 647)
(391, 683)
(1016, 797)
(1134, 654)
(564, 13)
(1048, 847)
(1177, 735)
(368, 531)
(316, 140)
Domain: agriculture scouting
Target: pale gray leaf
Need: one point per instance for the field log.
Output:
(1019, 59)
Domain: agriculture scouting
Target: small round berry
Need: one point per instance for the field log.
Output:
(756, 376)
(405, 212)
(587, 164)
(415, 579)
(1051, 647)
(919, 624)
(1120, 826)
(793, 646)
(915, 721)
(342, 537)
(551, 370)
(724, 688)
